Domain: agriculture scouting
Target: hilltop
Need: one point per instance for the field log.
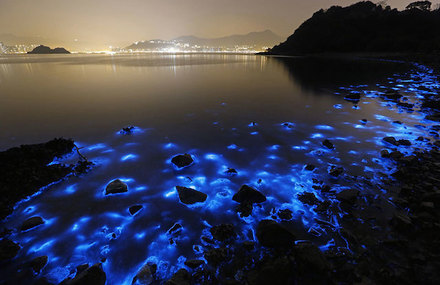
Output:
(365, 27)
(47, 50)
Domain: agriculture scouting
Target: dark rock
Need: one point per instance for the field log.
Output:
(93, 275)
(47, 50)
(310, 259)
(31, 223)
(285, 214)
(364, 121)
(80, 268)
(38, 263)
(176, 228)
(392, 95)
(353, 97)
(245, 209)
(181, 277)
(116, 187)
(336, 171)
(249, 245)
(348, 195)
(384, 153)
(223, 232)
(401, 222)
(8, 249)
(308, 198)
(216, 256)
(310, 167)
(391, 140)
(190, 196)
(288, 125)
(144, 276)
(273, 234)
(328, 144)
(194, 263)
(135, 209)
(278, 270)
(182, 160)
(248, 194)
(231, 172)
(127, 130)
(404, 142)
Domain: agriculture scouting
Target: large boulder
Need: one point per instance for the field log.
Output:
(182, 160)
(115, 187)
(273, 234)
(249, 195)
(31, 223)
(144, 276)
(93, 275)
(190, 196)
(8, 249)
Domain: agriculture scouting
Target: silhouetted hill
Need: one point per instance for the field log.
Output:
(257, 39)
(47, 50)
(365, 27)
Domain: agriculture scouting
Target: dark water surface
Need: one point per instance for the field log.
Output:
(224, 110)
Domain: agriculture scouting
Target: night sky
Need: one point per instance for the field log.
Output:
(99, 23)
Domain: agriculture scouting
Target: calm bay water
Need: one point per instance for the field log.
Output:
(226, 111)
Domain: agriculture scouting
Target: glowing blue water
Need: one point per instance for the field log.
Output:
(248, 133)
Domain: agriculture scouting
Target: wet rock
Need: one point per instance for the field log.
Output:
(328, 144)
(308, 198)
(231, 172)
(405, 105)
(404, 142)
(277, 270)
(38, 263)
(194, 263)
(223, 232)
(31, 223)
(216, 256)
(391, 140)
(285, 214)
(248, 194)
(273, 234)
(348, 195)
(116, 187)
(127, 130)
(401, 222)
(288, 125)
(353, 97)
(309, 258)
(384, 153)
(8, 249)
(248, 245)
(182, 160)
(144, 276)
(396, 155)
(245, 209)
(135, 209)
(392, 95)
(190, 196)
(181, 277)
(80, 268)
(336, 171)
(176, 228)
(364, 121)
(309, 167)
(93, 275)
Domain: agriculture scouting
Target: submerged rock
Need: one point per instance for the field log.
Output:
(176, 228)
(273, 234)
(31, 223)
(248, 194)
(194, 263)
(190, 196)
(348, 195)
(8, 249)
(328, 144)
(116, 187)
(127, 130)
(181, 277)
(336, 171)
(38, 263)
(216, 256)
(182, 160)
(231, 172)
(93, 275)
(310, 167)
(144, 276)
(392, 95)
(223, 232)
(308, 198)
(391, 140)
(135, 209)
(285, 214)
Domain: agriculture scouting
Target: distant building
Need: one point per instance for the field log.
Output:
(421, 5)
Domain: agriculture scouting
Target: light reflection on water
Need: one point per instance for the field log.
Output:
(264, 117)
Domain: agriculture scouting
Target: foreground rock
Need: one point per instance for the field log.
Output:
(135, 209)
(93, 275)
(190, 196)
(116, 187)
(181, 277)
(273, 234)
(31, 223)
(223, 232)
(144, 276)
(182, 160)
(248, 194)
(8, 249)
(30, 164)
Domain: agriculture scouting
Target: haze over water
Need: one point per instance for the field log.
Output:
(265, 117)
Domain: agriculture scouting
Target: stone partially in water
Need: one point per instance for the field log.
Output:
(135, 209)
(116, 187)
(308, 198)
(216, 256)
(8, 249)
(391, 140)
(181, 277)
(31, 223)
(273, 234)
(93, 275)
(190, 196)
(182, 160)
(223, 232)
(38, 263)
(336, 171)
(194, 263)
(348, 195)
(144, 276)
(248, 194)
(328, 144)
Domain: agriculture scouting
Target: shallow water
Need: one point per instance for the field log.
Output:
(226, 111)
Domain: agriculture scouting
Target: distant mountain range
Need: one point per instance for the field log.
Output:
(257, 40)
